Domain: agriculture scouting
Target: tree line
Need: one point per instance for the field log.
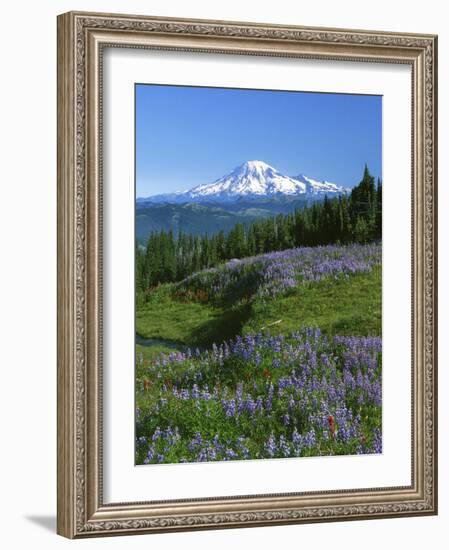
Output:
(355, 217)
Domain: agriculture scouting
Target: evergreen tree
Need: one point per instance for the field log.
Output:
(378, 230)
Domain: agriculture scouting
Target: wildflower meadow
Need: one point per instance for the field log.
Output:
(271, 392)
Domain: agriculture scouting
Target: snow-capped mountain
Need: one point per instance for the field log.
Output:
(253, 179)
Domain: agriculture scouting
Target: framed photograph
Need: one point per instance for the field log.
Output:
(246, 274)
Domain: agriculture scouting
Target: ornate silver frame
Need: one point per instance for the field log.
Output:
(81, 37)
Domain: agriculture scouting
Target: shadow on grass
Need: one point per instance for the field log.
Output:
(224, 327)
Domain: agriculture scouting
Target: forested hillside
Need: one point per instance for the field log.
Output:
(356, 217)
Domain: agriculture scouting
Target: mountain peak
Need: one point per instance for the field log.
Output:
(255, 165)
(252, 170)
(252, 178)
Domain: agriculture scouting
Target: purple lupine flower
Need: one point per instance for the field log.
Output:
(157, 434)
(230, 454)
(297, 442)
(309, 439)
(377, 441)
(284, 447)
(150, 455)
(270, 446)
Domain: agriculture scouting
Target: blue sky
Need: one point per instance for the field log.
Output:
(186, 136)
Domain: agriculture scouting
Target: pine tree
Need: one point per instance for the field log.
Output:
(378, 230)
(361, 231)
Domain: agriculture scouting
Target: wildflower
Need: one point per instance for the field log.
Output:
(331, 422)
(270, 446)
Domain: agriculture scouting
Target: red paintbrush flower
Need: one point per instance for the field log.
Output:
(331, 422)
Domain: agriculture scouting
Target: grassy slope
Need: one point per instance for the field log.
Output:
(349, 306)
